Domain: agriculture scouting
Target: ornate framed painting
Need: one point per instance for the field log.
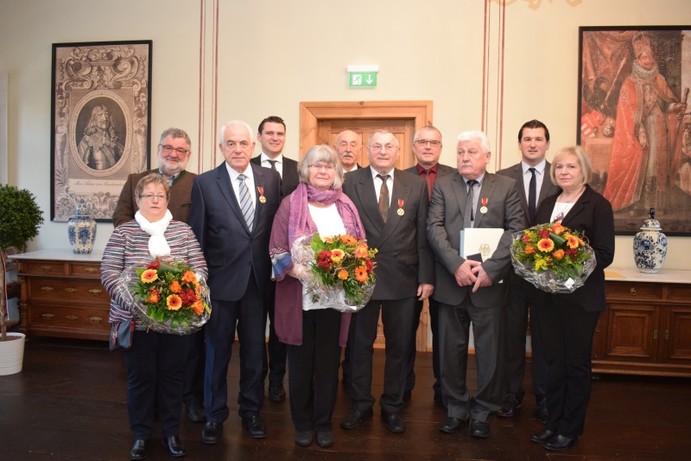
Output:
(100, 123)
(634, 121)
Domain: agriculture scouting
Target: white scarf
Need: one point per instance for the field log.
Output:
(158, 245)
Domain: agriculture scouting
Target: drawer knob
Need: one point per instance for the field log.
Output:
(71, 290)
(95, 319)
(633, 291)
(46, 267)
(48, 289)
(90, 270)
(95, 291)
(71, 317)
(47, 316)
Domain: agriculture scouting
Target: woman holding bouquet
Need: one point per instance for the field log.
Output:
(566, 322)
(155, 361)
(314, 337)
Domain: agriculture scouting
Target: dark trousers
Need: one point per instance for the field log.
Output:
(275, 360)
(248, 316)
(434, 325)
(568, 334)
(515, 325)
(313, 377)
(397, 317)
(155, 376)
(454, 336)
(194, 370)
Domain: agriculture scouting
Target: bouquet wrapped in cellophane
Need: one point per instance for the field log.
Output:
(167, 297)
(552, 257)
(341, 272)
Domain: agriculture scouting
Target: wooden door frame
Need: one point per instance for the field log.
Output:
(312, 112)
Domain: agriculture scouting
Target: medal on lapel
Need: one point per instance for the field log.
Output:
(483, 209)
(262, 199)
(400, 211)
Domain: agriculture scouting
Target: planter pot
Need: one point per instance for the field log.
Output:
(11, 354)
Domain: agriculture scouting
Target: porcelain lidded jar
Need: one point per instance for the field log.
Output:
(650, 246)
(81, 230)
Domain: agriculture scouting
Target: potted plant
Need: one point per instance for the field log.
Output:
(19, 222)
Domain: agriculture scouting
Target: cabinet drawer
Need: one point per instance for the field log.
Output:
(86, 318)
(63, 291)
(43, 268)
(634, 291)
(86, 270)
(678, 293)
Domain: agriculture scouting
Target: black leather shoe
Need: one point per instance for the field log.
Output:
(479, 429)
(138, 450)
(542, 437)
(356, 418)
(303, 439)
(254, 426)
(451, 425)
(325, 439)
(174, 446)
(211, 433)
(509, 407)
(195, 413)
(277, 393)
(560, 443)
(393, 422)
(541, 412)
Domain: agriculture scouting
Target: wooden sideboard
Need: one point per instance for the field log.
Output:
(646, 328)
(62, 295)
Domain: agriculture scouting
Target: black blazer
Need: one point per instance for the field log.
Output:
(592, 216)
(548, 188)
(290, 178)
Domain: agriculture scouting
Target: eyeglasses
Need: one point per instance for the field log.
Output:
(153, 196)
(170, 149)
(428, 142)
(322, 166)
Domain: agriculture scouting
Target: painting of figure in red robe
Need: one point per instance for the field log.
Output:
(634, 122)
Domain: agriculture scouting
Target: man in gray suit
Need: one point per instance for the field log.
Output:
(534, 185)
(393, 209)
(468, 290)
(427, 149)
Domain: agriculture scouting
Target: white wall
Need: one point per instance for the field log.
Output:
(272, 54)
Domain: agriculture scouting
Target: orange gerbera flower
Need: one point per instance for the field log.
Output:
(529, 249)
(149, 276)
(154, 297)
(174, 302)
(349, 240)
(361, 274)
(545, 245)
(189, 277)
(198, 307)
(572, 242)
(343, 274)
(175, 287)
(361, 251)
(558, 228)
(337, 255)
(559, 254)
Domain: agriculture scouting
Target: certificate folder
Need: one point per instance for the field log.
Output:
(479, 240)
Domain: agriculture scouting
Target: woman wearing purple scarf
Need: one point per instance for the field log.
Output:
(314, 337)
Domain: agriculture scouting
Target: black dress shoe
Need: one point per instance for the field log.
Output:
(356, 418)
(325, 439)
(509, 407)
(479, 429)
(138, 450)
(303, 439)
(393, 422)
(560, 442)
(277, 393)
(542, 437)
(174, 446)
(451, 425)
(211, 433)
(195, 413)
(254, 426)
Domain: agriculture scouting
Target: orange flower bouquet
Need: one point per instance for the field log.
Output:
(341, 271)
(552, 257)
(169, 297)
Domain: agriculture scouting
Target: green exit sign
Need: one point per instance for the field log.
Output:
(362, 76)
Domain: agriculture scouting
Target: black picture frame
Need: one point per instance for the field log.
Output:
(632, 81)
(100, 123)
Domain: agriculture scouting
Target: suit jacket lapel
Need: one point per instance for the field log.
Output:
(223, 180)
(461, 193)
(259, 181)
(400, 191)
(368, 198)
(488, 185)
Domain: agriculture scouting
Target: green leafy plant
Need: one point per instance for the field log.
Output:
(20, 219)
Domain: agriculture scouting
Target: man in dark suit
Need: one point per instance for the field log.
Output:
(427, 149)
(468, 290)
(233, 207)
(174, 151)
(393, 209)
(348, 146)
(272, 137)
(532, 176)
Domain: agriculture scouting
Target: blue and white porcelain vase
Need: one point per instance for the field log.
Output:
(81, 229)
(650, 246)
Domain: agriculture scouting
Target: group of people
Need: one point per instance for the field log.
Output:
(244, 220)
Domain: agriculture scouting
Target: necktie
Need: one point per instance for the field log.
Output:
(273, 164)
(246, 202)
(469, 216)
(532, 195)
(430, 182)
(383, 196)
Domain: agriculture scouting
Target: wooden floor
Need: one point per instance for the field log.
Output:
(69, 404)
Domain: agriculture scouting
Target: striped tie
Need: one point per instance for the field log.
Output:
(246, 202)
